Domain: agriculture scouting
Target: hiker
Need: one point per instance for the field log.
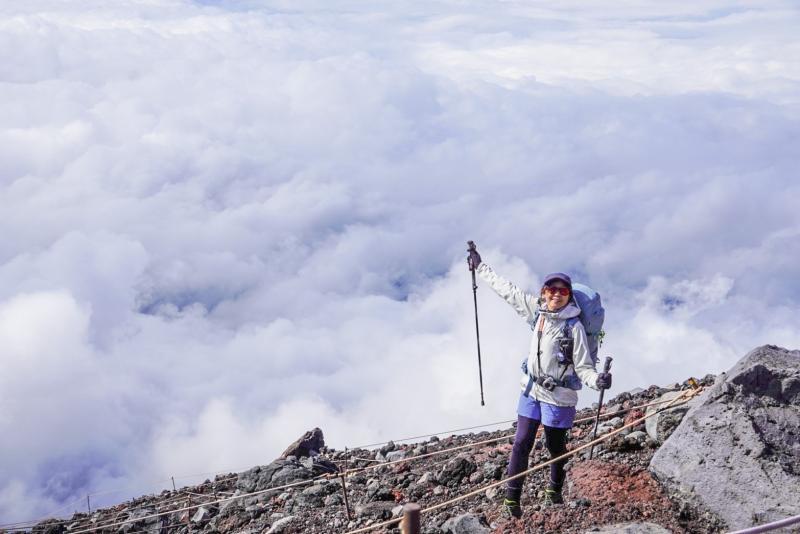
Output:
(558, 362)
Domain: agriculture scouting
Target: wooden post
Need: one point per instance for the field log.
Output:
(346, 502)
(410, 523)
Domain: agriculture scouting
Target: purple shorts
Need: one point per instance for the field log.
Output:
(549, 414)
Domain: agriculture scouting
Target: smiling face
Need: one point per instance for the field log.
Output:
(556, 295)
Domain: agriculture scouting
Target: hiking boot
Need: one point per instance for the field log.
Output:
(552, 497)
(511, 508)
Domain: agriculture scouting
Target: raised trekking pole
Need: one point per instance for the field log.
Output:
(606, 368)
(471, 248)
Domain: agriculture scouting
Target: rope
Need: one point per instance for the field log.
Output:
(179, 496)
(769, 526)
(532, 469)
(181, 493)
(491, 440)
(194, 507)
(506, 422)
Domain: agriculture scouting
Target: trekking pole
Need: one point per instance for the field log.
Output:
(470, 248)
(606, 368)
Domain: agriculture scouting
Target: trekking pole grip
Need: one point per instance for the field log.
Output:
(607, 364)
(471, 248)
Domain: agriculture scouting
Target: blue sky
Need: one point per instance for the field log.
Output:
(226, 223)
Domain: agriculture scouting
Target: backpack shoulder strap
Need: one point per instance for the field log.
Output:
(568, 325)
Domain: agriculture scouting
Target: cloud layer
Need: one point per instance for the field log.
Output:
(226, 223)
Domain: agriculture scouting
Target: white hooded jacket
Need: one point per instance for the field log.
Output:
(552, 324)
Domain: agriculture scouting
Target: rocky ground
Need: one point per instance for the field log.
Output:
(615, 487)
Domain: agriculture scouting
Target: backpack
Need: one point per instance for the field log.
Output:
(592, 316)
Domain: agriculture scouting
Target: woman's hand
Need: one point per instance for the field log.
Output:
(603, 380)
(474, 259)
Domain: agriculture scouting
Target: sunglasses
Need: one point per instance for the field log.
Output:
(563, 291)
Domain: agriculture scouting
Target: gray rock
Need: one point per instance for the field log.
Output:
(379, 510)
(493, 493)
(278, 473)
(607, 426)
(737, 450)
(492, 470)
(334, 499)
(662, 424)
(456, 470)
(151, 525)
(231, 507)
(426, 478)
(315, 495)
(636, 438)
(466, 524)
(395, 455)
(387, 448)
(378, 491)
(202, 515)
(49, 526)
(476, 477)
(615, 422)
(631, 528)
(281, 525)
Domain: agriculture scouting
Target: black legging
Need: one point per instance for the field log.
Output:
(523, 443)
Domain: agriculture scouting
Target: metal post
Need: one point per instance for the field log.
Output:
(173, 484)
(88, 503)
(410, 523)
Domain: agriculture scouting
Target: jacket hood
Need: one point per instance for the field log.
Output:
(567, 312)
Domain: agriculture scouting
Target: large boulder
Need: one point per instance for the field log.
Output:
(737, 450)
(309, 444)
(279, 472)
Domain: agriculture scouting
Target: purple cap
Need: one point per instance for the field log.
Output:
(552, 277)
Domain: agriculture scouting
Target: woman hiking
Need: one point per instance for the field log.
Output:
(558, 362)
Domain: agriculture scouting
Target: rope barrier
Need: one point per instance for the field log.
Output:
(194, 507)
(33, 522)
(349, 472)
(534, 468)
(178, 497)
(508, 421)
(770, 526)
(506, 436)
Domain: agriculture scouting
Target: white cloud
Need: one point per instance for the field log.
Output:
(228, 222)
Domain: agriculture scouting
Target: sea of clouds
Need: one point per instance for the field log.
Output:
(225, 223)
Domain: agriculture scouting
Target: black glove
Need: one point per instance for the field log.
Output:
(604, 380)
(474, 259)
